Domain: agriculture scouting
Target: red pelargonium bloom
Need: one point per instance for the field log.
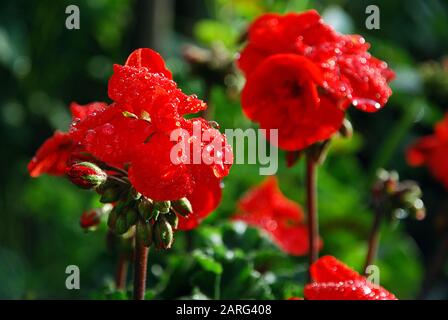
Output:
(432, 151)
(134, 134)
(336, 281)
(267, 208)
(90, 219)
(305, 98)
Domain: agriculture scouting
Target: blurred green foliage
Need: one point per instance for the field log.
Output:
(43, 67)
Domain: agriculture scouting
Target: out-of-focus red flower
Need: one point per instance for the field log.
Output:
(338, 72)
(267, 208)
(90, 219)
(432, 151)
(336, 281)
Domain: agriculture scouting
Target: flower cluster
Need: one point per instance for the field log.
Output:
(302, 76)
(124, 151)
(432, 151)
(333, 280)
(267, 208)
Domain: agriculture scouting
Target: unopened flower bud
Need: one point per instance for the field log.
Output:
(162, 206)
(145, 233)
(112, 219)
(90, 219)
(121, 225)
(86, 175)
(182, 207)
(111, 191)
(172, 219)
(131, 216)
(163, 234)
(145, 207)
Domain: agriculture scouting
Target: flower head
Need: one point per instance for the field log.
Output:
(130, 140)
(302, 75)
(267, 208)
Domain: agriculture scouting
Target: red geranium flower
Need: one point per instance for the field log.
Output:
(336, 281)
(267, 208)
(432, 151)
(133, 134)
(302, 75)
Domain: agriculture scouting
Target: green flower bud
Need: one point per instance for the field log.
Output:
(121, 225)
(145, 207)
(163, 234)
(145, 233)
(111, 194)
(172, 219)
(155, 214)
(182, 207)
(112, 219)
(131, 216)
(162, 206)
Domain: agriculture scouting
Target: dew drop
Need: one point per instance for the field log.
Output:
(107, 129)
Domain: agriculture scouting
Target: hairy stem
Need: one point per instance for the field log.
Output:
(140, 268)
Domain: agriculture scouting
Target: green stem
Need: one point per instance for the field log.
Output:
(374, 239)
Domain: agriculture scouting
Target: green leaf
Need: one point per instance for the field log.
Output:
(207, 262)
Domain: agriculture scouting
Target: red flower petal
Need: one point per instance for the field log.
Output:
(110, 136)
(348, 290)
(330, 269)
(336, 281)
(80, 112)
(205, 198)
(52, 156)
(153, 173)
(148, 59)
